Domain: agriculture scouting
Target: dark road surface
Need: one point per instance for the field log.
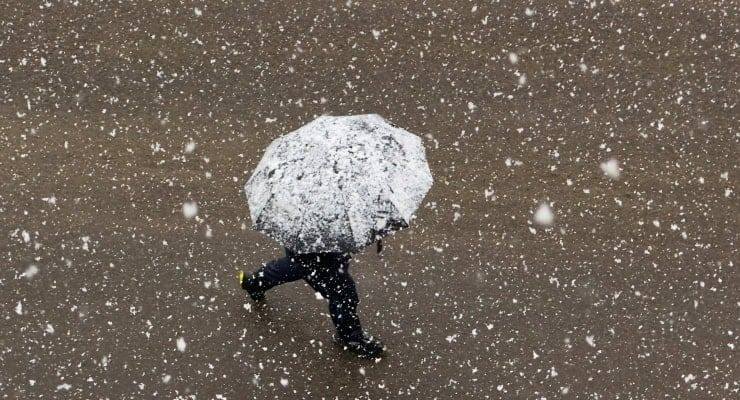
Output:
(108, 291)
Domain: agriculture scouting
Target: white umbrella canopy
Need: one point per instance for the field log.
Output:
(338, 184)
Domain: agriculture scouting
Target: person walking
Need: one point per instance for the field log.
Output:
(327, 274)
(325, 191)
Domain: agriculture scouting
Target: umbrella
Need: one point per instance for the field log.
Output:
(338, 184)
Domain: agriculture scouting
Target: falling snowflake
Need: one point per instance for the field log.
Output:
(181, 345)
(544, 215)
(611, 168)
(190, 147)
(513, 58)
(190, 209)
(31, 271)
(64, 386)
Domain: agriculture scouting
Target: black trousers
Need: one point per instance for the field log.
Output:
(326, 273)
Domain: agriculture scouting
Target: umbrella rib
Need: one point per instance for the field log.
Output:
(264, 205)
(349, 220)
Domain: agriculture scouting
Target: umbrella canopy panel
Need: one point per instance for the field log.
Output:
(338, 183)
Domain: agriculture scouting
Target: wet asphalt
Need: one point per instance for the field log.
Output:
(108, 291)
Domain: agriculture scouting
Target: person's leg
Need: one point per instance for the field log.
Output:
(274, 273)
(330, 276)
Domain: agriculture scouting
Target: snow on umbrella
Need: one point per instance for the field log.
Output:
(338, 184)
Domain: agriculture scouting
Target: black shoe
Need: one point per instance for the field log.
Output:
(257, 296)
(361, 343)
